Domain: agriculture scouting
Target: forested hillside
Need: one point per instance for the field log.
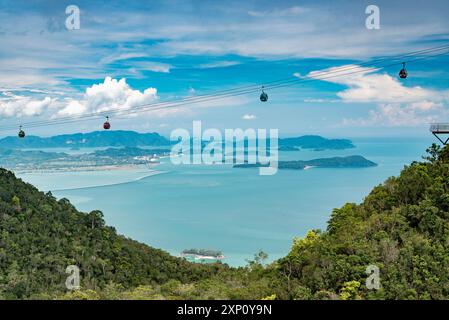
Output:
(40, 237)
(402, 227)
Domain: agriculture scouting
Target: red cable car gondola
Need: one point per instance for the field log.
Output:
(107, 125)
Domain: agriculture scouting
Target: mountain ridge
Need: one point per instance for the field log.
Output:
(126, 138)
(117, 138)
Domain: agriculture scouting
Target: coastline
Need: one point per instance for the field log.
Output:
(86, 177)
(111, 184)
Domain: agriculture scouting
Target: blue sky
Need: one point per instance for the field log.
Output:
(128, 53)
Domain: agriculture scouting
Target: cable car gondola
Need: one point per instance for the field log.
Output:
(107, 125)
(403, 73)
(263, 96)
(21, 133)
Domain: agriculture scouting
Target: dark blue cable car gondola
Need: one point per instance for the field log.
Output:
(263, 96)
(21, 133)
(403, 73)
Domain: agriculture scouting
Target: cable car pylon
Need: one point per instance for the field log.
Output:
(439, 129)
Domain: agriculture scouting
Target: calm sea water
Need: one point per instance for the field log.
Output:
(234, 210)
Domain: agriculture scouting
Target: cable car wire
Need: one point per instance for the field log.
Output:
(225, 93)
(336, 72)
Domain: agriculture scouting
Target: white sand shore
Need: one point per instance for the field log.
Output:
(55, 180)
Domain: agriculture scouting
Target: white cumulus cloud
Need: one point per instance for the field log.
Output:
(367, 86)
(22, 106)
(397, 104)
(112, 94)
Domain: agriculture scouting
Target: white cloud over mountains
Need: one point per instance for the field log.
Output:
(112, 94)
(404, 115)
(367, 86)
(21, 106)
(397, 104)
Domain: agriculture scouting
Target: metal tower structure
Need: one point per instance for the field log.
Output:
(439, 130)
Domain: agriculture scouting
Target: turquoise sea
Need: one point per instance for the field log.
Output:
(235, 211)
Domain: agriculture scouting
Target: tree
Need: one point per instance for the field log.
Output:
(16, 202)
(350, 290)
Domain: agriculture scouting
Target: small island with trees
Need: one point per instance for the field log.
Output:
(334, 162)
(202, 255)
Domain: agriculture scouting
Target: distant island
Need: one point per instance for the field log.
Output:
(202, 255)
(288, 148)
(36, 160)
(130, 148)
(314, 142)
(334, 162)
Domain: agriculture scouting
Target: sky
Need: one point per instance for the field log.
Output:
(129, 53)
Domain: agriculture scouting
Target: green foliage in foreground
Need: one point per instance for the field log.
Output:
(402, 227)
(40, 237)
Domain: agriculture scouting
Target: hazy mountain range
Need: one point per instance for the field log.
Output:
(87, 140)
(134, 139)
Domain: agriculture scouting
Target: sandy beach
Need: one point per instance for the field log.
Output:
(85, 177)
